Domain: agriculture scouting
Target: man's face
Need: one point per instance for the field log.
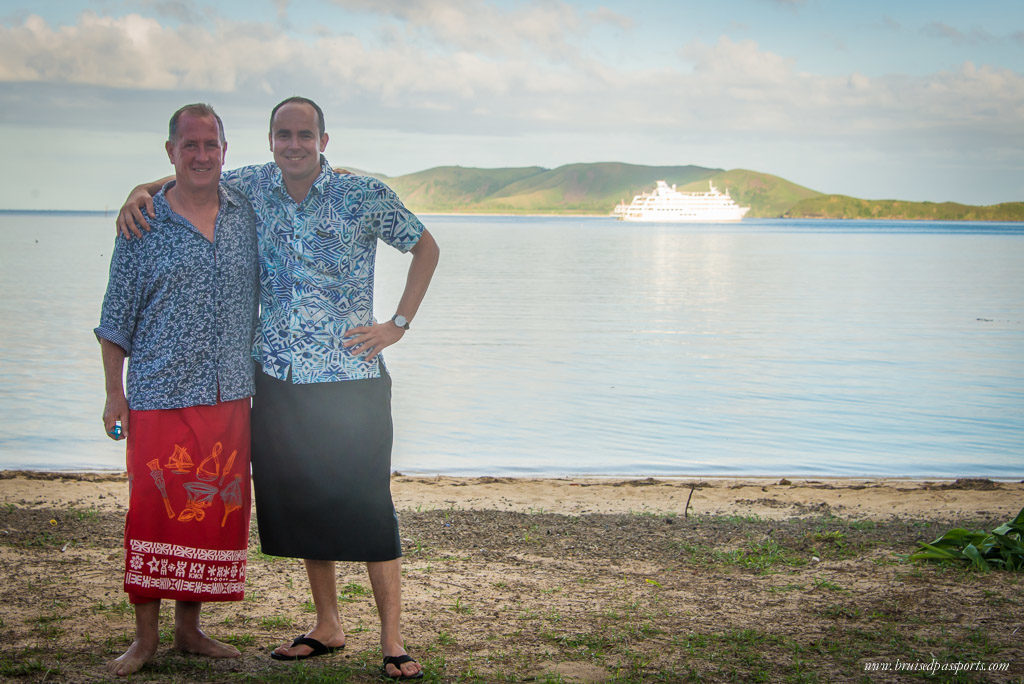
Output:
(296, 142)
(197, 152)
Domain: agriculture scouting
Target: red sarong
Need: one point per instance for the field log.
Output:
(187, 530)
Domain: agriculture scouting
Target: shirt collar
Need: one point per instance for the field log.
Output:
(163, 209)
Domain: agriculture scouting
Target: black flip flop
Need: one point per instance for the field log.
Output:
(397, 662)
(318, 647)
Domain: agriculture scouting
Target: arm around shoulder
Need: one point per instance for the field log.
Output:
(130, 219)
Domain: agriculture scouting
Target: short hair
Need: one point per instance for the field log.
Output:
(198, 109)
(300, 100)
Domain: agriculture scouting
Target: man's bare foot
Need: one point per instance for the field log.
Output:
(132, 660)
(407, 670)
(325, 637)
(198, 643)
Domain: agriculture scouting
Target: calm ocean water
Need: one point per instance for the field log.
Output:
(560, 346)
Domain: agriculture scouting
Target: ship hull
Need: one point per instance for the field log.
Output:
(669, 217)
(666, 205)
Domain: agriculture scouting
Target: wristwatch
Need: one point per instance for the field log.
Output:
(401, 321)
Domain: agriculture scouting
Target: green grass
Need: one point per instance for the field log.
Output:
(352, 592)
(762, 556)
(820, 583)
(275, 622)
(30, 667)
(239, 641)
(84, 514)
(461, 608)
(121, 608)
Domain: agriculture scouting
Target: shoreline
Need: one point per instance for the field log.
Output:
(110, 212)
(768, 498)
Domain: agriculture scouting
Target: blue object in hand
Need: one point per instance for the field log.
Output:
(115, 432)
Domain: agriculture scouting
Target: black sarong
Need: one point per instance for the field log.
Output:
(321, 461)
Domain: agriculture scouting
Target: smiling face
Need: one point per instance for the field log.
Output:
(296, 142)
(197, 152)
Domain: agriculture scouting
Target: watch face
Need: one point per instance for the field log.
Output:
(401, 321)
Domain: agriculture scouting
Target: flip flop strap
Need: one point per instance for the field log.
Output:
(317, 646)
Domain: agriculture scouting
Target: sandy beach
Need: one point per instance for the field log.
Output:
(706, 579)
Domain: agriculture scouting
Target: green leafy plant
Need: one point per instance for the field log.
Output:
(1001, 548)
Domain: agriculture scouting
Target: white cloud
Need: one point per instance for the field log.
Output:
(937, 29)
(137, 52)
(542, 27)
(729, 85)
(439, 69)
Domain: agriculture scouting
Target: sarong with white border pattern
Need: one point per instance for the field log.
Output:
(187, 530)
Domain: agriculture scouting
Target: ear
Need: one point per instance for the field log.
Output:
(323, 142)
(169, 146)
(270, 140)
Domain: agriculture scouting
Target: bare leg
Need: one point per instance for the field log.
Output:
(147, 639)
(190, 639)
(324, 586)
(386, 580)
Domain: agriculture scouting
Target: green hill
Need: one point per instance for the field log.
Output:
(455, 188)
(587, 188)
(571, 189)
(767, 196)
(843, 207)
(596, 188)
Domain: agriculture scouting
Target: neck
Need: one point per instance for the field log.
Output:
(198, 206)
(298, 189)
(193, 197)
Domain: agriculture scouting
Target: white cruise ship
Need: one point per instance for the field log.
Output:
(669, 205)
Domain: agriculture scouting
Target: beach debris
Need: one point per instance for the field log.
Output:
(686, 510)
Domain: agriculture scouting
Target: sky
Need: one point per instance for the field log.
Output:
(880, 99)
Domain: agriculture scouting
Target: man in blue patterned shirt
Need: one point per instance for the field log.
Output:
(181, 305)
(321, 413)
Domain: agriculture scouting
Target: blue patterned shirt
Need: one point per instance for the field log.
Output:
(184, 308)
(316, 267)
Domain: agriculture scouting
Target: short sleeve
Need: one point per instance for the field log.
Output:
(386, 218)
(123, 299)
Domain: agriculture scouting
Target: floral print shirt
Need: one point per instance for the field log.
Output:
(316, 267)
(184, 309)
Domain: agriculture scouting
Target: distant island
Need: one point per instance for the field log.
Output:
(595, 189)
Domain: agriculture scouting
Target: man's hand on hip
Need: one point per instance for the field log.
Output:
(371, 339)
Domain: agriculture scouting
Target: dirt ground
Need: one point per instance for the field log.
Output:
(560, 580)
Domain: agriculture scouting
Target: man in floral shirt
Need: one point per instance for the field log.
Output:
(181, 306)
(322, 415)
